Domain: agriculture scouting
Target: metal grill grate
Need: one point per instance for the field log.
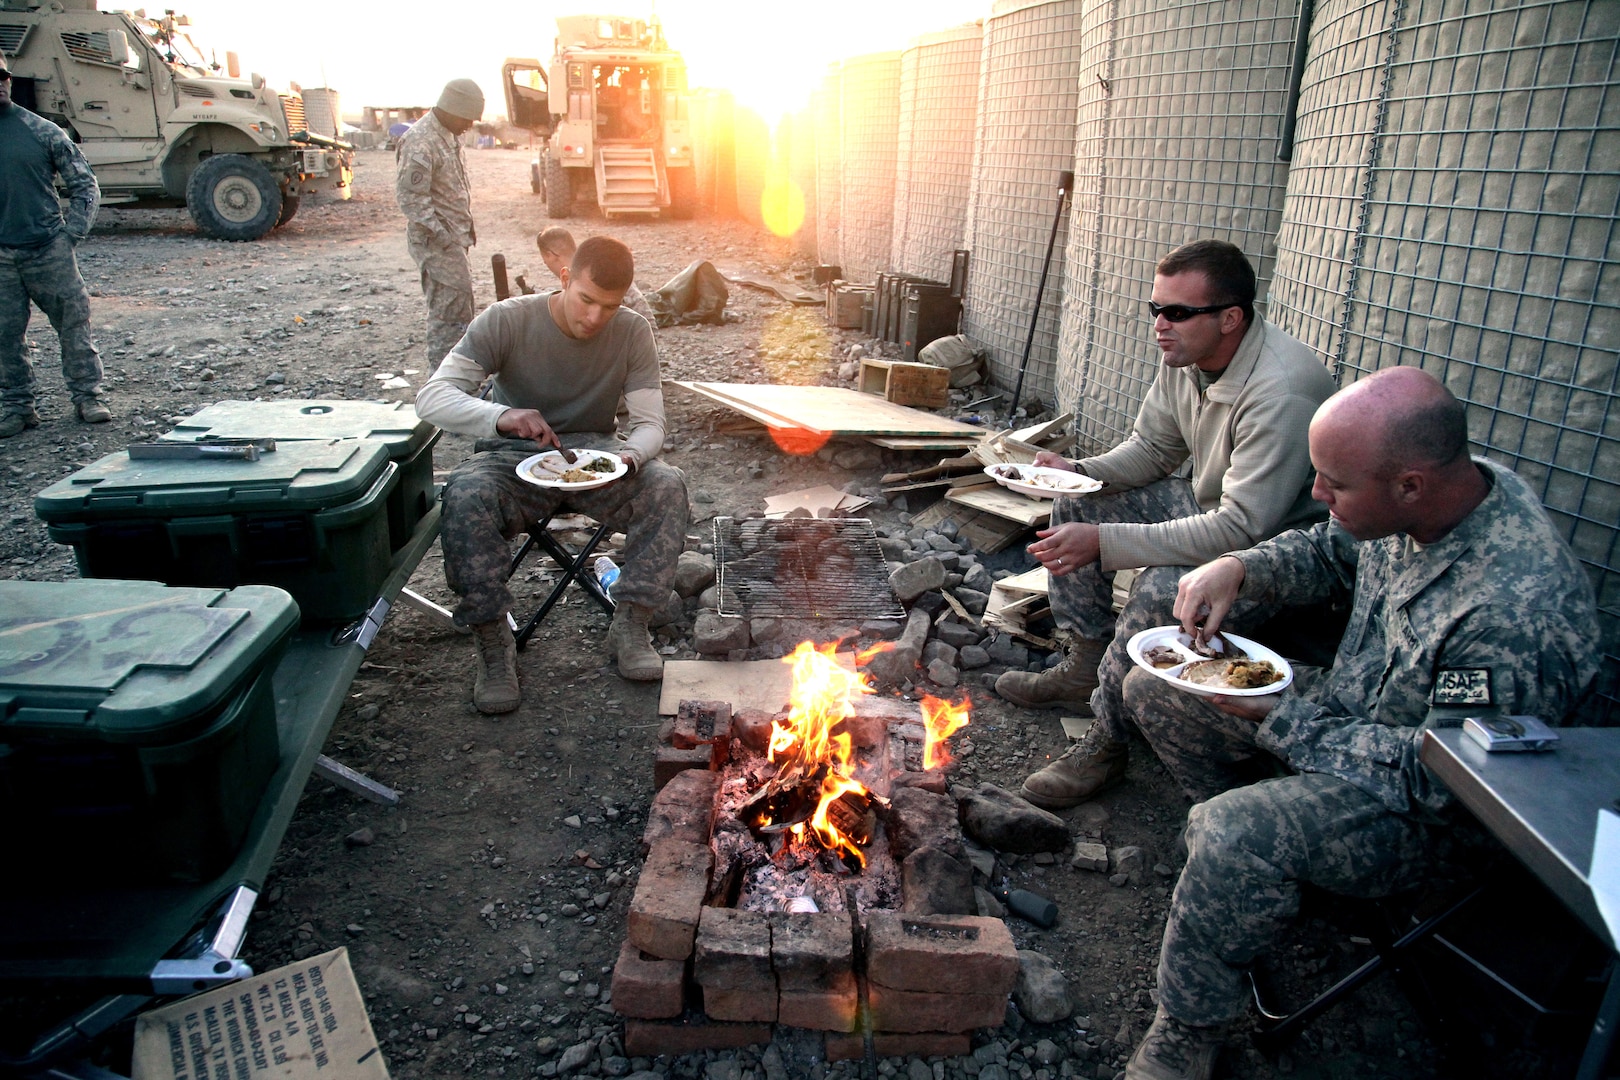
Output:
(802, 568)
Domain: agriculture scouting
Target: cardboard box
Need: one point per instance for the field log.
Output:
(922, 385)
(299, 1022)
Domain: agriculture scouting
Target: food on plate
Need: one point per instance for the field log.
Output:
(1218, 648)
(1055, 479)
(1163, 656)
(1232, 674)
(601, 465)
(578, 476)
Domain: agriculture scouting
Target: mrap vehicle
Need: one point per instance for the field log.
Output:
(164, 125)
(611, 109)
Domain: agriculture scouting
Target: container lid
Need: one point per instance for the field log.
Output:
(129, 661)
(394, 423)
(296, 476)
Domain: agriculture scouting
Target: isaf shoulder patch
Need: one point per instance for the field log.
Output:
(1462, 686)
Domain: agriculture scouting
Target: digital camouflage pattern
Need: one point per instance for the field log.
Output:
(1083, 600)
(436, 199)
(486, 505)
(1500, 603)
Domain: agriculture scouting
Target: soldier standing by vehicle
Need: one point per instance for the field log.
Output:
(434, 196)
(37, 262)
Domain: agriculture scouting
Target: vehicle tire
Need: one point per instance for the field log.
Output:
(682, 194)
(289, 207)
(534, 178)
(559, 189)
(232, 197)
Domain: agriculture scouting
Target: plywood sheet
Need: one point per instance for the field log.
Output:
(995, 499)
(836, 410)
(921, 442)
(746, 684)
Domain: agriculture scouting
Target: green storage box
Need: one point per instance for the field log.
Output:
(310, 517)
(137, 724)
(394, 424)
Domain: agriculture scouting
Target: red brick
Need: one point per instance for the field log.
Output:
(647, 987)
(832, 1009)
(924, 1044)
(669, 899)
(911, 1010)
(701, 723)
(748, 1006)
(669, 763)
(811, 952)
(734, 952)
(652, 1038)
(683, 809)
(926, 952)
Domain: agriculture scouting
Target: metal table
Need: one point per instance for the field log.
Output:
(1543, 808)
(140, 942)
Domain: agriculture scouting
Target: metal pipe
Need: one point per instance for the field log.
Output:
(1296, 76)
(1065, 182)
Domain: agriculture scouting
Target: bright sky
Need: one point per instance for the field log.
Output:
(771, 56)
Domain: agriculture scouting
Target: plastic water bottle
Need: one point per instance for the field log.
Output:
(607, 572)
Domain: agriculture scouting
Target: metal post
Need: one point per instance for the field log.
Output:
(1065, 182)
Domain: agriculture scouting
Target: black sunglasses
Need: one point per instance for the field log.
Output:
(5, 76)
(1181, 312)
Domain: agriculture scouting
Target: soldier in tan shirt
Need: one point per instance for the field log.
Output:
(1233, 400)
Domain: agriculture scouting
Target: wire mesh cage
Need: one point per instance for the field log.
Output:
(829, 106)
(1180, 112)
(939, 97)
(871, 113)
(1024, 138)
(1453, 205)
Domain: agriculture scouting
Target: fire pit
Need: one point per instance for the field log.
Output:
(795, 864)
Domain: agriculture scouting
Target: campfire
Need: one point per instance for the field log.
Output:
(814, 799)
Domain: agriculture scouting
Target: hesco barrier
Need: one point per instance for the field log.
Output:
(714, 131)
(871, 122)
(798, 131)
(1024, 138)
(939, 99)
(753, 162)
(1179, 117)
(1453, 205)
(829, 172)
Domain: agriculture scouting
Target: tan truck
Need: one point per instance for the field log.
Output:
(611, 111)
(163, 124)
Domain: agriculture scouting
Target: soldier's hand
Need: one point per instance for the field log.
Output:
(1048, 460)
(1206, 594)
(1253, 709)
(1067, 547)
(527, 424)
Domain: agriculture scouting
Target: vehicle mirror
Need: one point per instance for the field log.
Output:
(117, 47)
(258, 81)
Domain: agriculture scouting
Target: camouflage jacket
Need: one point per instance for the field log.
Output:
(1497, 616)
(68, 162)
(431, 186)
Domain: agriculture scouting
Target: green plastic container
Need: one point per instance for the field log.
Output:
(137, 724)
(409, 440)
(311, 518)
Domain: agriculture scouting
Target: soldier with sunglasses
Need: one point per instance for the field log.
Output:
(1229, 410)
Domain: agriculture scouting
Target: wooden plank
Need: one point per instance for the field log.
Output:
(833, 409)
(748, 684)
(995, 499)
(988, 533)
(921, 442)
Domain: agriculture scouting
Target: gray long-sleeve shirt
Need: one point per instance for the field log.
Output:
(33, 151)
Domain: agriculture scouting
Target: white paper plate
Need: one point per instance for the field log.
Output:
(1172, 636)
(1041, 482)
(542, 470)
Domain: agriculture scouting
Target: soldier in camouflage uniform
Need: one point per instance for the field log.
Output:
(434, 196)
(561, 363)
(37, 261)
(1465, 602)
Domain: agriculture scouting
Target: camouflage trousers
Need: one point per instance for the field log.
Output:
(49, 276)
(1250, 848)
(448, 288)
(1083, 600)
(486, 505)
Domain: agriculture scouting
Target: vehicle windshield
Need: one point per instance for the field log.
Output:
(174, 45)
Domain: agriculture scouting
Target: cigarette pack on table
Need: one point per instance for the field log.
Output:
(1511, 733)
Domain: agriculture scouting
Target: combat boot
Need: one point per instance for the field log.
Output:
(1172, 1050)
(1067, 685)
(92, 411)
(1089, 766)
(630, 642)
(18, 422)
(495, 690)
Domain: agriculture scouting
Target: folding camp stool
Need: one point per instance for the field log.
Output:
(575, 566)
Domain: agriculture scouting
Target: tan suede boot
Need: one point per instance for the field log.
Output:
(18, 422)
(1066, 686)
(1172, 1050)
(1089, 766)
(630, 642)
(495, 690)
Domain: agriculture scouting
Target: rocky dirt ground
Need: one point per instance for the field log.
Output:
(485, 911)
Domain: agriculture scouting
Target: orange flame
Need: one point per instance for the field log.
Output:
(942, 719)
(823, 696)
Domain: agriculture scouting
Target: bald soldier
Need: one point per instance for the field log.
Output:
(1465, 602)
(433, 194)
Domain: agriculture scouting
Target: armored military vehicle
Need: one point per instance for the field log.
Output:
(611, 109)
(164, 124)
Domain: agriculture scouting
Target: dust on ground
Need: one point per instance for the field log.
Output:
(485, 911)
